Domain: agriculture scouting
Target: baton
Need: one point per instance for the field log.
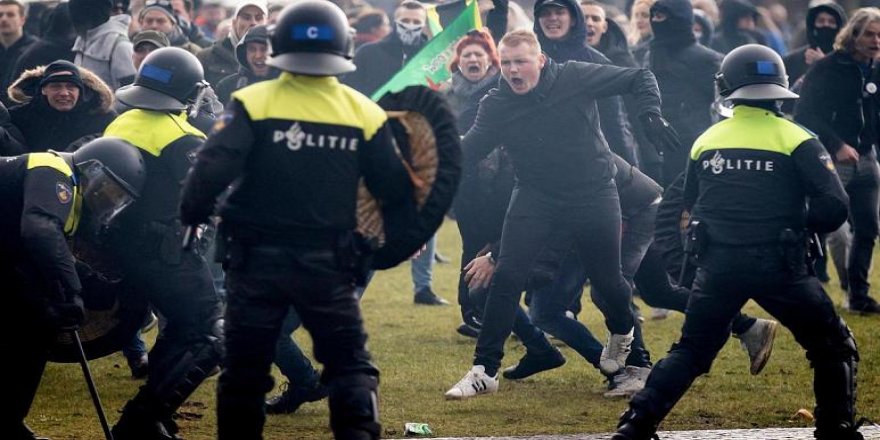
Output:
(84, 363)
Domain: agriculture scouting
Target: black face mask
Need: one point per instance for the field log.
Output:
(672, 30)
(823, 38)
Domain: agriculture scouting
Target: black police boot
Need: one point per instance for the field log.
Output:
(22, 432)
(292, 398)
(635, 426)
(533, 363)
(843, 431)
(353, 411)
(137, 424)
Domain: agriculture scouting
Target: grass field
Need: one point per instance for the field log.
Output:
(421, 356)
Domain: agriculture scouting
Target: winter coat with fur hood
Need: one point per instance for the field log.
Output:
(45, 128)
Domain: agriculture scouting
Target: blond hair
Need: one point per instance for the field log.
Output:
(520, 36)
(855, 27)
(634, 36)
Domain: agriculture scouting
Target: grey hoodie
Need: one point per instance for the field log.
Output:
(106, 51)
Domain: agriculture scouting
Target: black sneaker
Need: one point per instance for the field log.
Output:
(291, 399)
(429, 298)
(466, 330)
(533, 364)
(870, 307)
(135, 427)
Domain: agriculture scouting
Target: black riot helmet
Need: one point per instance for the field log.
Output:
(312, 37)
(753, 73)
(110, 173)
(169, 79)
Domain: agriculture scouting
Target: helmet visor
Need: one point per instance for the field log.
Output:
(104, 193)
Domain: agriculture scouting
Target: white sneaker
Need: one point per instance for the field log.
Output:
(614, 354)
(473, 383)
(628, 381)
(758, 343)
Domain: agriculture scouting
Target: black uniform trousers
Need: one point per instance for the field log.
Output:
(263, 281)
(531, 222)
(727, 277)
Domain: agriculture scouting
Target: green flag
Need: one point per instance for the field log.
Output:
(430, 66)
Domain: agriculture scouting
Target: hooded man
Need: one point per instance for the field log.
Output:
(704, 29)
(220, 59)
(252, 52)
(54, 44)
(562, 32)
(59, 104)
(377, 62)
(685, 70)
(102, 45)
(823, 23)
(738, 21)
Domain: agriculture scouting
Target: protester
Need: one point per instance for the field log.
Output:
(102, 45)
(377, 62)
(298, 251)
(210, 15)
(685, 70)
(11, 139)
(640, 29)
(824, 21)
(146, 242)
(58, 105)
(13, 42)
(838, 104)
(252, 53)
(370, 26)
(220, 59)
(564, 170)
(158, 15)
(757, 251)
(55, 43)
(738, 26)
(42, 195)
(562, 32)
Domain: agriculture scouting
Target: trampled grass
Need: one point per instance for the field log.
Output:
(421, 356)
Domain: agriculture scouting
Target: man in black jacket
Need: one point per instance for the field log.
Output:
(738, 21)
(13, 41)
(562, 32)
(839, 103)
(823, 22)
(565, 185)
(684, 70)
(378, 62)
(252, 52)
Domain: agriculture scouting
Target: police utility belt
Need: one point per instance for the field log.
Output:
(798, 247)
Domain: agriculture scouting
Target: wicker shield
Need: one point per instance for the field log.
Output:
(428, 143)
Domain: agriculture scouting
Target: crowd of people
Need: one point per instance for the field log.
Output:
(693, 153)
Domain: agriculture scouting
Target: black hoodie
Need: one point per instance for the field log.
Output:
(55, 44)
(245, 75)
(685, 71)
(574, 47)
(795, 63)
(377, 62)
(730, 37)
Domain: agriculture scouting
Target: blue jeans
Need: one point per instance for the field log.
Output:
(135, 348)
(422, 267)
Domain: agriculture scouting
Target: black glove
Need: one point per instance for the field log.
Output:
(65, 314)
(660, 132)
(191, 215)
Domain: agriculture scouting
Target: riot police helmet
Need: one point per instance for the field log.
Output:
(110, 175)
(753, 73)
(312, 37)
(169, 79)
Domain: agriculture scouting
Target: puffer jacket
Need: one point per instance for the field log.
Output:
(45, 128)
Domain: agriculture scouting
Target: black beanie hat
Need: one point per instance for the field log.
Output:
(62, 71)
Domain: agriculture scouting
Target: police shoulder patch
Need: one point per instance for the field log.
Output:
(64, 193)
(826, 160)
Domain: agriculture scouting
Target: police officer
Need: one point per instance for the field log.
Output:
(297, 147)
(758, 185)
(146, 241)
(45, 196)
